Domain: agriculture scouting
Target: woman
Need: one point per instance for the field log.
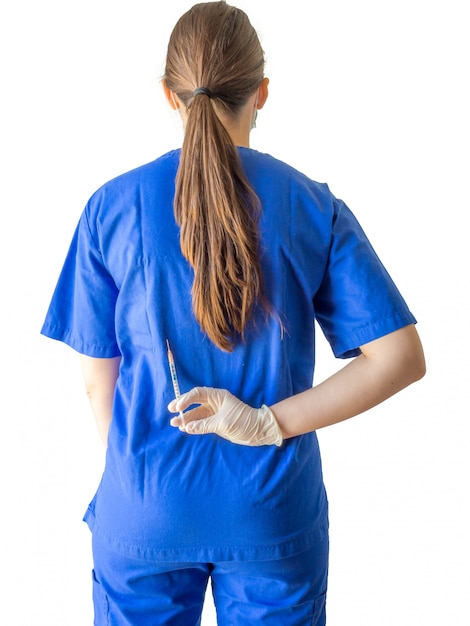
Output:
(227, 256)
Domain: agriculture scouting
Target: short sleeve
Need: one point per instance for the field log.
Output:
(82, 309)
(357, 301)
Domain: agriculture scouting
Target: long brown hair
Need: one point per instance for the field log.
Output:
(215, 47)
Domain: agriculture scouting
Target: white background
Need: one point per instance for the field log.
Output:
(368, 96)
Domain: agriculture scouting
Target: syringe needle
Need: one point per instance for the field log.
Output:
(174, 378)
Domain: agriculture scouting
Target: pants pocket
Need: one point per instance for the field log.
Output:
(100, 603)
(319, 611)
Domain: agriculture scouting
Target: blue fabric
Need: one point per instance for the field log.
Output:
(125, 289)
(284, 592)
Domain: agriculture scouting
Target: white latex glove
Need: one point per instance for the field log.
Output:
(222, 413)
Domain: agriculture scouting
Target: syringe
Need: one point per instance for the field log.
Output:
(174, 377)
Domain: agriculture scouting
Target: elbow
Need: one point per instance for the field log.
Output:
(401, 355)
(418, 368)
(415, 363)
(419, 360)
(410, 349)
(421, 367)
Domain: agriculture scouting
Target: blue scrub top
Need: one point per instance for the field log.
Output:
(125, 289)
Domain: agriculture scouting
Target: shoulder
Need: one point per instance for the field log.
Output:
(265, 169)
(285, 190)
(139, 183)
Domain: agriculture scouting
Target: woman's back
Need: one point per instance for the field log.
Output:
(273, 498)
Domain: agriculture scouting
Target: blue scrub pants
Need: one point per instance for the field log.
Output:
(285, 592)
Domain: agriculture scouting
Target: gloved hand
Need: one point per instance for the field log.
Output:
(225, 415)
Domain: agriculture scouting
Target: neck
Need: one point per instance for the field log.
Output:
(239, 126)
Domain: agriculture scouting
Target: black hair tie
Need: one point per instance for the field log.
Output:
(204, 91)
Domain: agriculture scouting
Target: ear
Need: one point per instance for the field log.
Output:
(172, 98)
(262, 93)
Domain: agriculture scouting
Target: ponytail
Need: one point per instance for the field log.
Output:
(217, 211)
(214, 203)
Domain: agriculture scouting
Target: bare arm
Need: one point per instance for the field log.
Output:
(100, 376)
(386, 366)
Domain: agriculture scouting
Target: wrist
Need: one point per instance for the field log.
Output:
(271, 433)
